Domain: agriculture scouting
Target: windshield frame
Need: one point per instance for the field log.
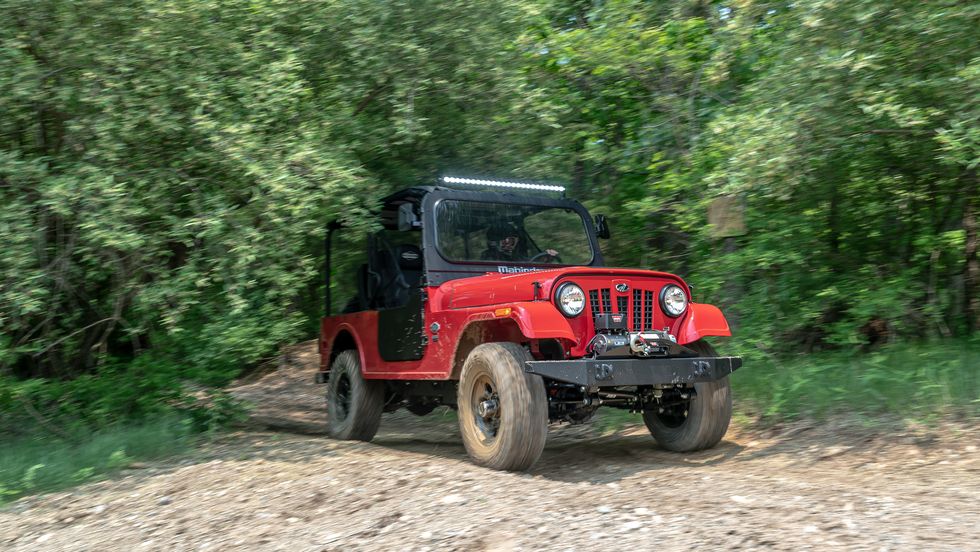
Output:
(491, 262)
(440, 268)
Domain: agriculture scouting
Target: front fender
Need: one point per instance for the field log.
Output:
(541, 320)
(701, 321)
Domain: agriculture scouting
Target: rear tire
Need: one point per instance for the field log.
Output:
(510, 431)
(707, 415)
(354, 404)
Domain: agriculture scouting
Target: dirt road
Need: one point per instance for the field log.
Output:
(286, 487)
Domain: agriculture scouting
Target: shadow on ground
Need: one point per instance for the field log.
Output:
(573, 453)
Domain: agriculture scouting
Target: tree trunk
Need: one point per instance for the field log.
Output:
(732, 288)
(972, 275)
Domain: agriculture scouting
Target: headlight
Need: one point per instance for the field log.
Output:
(570, 299)
(673, 300)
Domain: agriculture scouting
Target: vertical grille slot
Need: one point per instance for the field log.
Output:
(636, 305)
(637, 310)
(647, 310)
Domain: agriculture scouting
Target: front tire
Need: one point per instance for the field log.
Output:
(701, 422)
(354, 404)
(503, 411)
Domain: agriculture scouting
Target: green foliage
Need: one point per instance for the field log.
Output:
(166, 172)
(31, 465)
(839, 147)
(847, 129)
(147, 388)
(166, 169)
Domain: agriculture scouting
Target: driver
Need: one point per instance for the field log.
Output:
(503, 244)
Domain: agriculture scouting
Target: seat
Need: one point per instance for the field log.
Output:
(408, 263)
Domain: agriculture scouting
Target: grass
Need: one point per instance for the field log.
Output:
(30, 465)
(924, 382)
(611, 420)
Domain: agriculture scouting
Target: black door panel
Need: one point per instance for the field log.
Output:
(400, 330)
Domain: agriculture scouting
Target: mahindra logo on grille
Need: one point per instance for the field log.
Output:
(622, 288)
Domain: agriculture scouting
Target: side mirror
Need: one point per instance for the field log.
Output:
(601, 227)
(407, 219)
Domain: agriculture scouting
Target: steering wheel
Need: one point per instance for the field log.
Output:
(551, 258)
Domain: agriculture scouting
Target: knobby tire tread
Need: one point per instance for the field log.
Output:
(709, 414)
(523, 402)
(366, 402)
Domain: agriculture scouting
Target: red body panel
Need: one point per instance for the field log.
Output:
(541, 320)
(458, 304)
(702, 320)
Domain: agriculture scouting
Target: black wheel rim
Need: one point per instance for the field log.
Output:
(487, 422)
(342, 406)
(674, 415)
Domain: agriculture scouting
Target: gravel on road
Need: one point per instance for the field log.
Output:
(281, 485)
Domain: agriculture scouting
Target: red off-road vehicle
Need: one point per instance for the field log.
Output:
(495, 300)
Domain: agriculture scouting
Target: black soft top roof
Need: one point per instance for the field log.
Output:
(417, 194)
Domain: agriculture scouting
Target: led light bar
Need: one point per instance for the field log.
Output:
(503, 184)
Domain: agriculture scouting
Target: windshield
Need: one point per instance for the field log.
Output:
(468, 231)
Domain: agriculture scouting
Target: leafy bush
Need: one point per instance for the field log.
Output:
(167, 169)
(119, 393)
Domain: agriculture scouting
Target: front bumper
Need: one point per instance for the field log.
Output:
(616, 372)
